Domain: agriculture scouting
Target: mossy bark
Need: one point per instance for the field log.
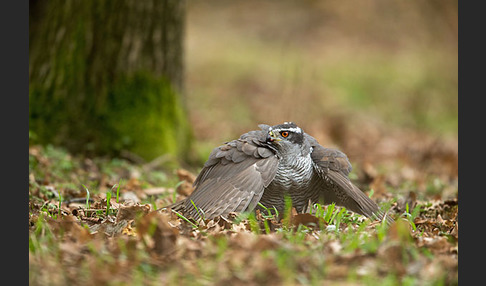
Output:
(107, 76)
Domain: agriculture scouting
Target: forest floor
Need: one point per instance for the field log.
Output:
(92, 221)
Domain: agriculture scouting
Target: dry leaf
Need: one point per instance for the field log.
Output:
(131, 212)
(155, 191)
(185, 175)
(306, 219)
(185, 188)
(155, 229)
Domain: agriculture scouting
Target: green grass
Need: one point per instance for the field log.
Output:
(342, 246)
(194, 225)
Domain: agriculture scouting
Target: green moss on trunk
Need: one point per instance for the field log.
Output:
(146, 117)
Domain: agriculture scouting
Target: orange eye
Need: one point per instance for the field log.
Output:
(284, 134)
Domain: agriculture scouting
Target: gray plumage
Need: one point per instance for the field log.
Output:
(268, 164)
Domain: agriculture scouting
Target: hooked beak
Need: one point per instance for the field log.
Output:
(272, 137)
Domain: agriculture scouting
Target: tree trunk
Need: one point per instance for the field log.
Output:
(107, 76)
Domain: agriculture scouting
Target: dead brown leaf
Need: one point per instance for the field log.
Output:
(394, 254)
(132, 212)
(437, 244)
(185, 175)
(109, 228)
(155, 191)
(155, 230)
(187, 179)
(184, 188)
(267, 242)
(306, 219)
(70, 228)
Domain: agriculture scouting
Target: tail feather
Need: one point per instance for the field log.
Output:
(351, 197)
(370, 208)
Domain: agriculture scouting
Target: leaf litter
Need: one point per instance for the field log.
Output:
(126, 241)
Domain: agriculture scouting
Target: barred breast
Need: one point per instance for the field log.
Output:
(294, 177)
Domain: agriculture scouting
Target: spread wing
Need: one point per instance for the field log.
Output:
(332, 167)
(233, 178)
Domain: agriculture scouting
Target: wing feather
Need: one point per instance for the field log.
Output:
(332, 168)
(233, 179)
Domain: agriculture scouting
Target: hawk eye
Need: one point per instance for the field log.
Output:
(284, 134)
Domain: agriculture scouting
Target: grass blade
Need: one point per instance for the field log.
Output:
(199, 212)
(108, 198)
(185, 219)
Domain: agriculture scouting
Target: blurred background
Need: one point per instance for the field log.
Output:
(374, 78)
(308, 61)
